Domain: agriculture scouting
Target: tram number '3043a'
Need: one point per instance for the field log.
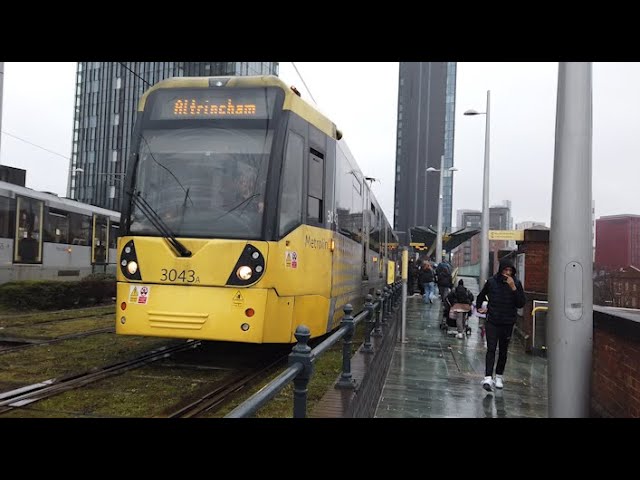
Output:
(186, 276)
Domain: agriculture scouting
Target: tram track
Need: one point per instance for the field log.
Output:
(28, 394)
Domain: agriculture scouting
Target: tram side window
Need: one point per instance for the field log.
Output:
(56, 226)
(315, 188)
(113, 235)
(79, 229)
(7, 217)
(29, 231)
(100, 238)
(291, 196)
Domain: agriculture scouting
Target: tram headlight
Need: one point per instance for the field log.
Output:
(129, 262)
(244, 272)
(132, 267)
(249, 268)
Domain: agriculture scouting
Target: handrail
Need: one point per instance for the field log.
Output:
(533, 330)
(302, 357)
(338, 334)
(266, 393)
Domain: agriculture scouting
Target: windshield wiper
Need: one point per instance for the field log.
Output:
(186, 190)
(159, 224)
(243, 202)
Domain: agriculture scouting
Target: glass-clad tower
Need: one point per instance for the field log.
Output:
(426, 113)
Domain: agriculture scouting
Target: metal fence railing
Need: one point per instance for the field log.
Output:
(302, 357)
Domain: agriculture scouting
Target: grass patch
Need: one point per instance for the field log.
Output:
(144, 392)
(56, 360)
(20, 318)
(47, 331)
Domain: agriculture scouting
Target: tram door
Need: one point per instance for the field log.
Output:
(28, 233)
(100, 240)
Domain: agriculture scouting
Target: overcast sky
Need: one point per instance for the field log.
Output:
(361, 98)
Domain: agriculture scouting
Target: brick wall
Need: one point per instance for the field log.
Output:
(536, 266)
(615, 381)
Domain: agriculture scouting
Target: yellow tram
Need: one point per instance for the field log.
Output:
(245, 216)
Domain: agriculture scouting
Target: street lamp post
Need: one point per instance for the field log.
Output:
(484, 231)
(440, 195)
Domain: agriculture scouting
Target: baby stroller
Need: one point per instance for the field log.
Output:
(457, 308)
(450, 323)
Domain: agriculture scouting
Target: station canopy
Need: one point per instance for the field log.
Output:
(424, 238)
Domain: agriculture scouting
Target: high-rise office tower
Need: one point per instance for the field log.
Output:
(107, 95)
(426, 111)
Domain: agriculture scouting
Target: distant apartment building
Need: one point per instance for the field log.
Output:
(107, 95)
(617, 242)
(626, 287)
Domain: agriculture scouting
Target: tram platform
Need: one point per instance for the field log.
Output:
(435, 375)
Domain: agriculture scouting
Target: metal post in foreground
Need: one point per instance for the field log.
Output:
(387, 302)
(301, 353)
(368, 305)
(346, 381)
(570, 325)
(405, 276)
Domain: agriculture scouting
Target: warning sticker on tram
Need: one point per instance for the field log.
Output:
(139, 294)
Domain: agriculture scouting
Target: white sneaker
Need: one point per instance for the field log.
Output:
(459, 335)
(499, 382)
(487, 383)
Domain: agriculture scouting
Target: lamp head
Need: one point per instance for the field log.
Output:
(431, 169)
(473, 112)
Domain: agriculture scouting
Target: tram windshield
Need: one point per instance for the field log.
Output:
(205, 176)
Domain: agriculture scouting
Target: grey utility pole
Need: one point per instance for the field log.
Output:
(439, 236)
(484, 228)
(570, 325)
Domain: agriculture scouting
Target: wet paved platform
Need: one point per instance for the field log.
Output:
(434, 375)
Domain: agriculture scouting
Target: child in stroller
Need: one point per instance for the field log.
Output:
(456, 309)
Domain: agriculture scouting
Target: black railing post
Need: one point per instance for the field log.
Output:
(387, 301)
(368, 326)
(346, 381)
(377, 332)
(301, 353)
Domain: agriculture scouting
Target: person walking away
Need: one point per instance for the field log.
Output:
(427, 279)
(505, 295)
(459, 298)
(412, 274)
(445, 282)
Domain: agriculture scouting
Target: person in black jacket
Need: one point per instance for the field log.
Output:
(443, 277)
(505, 295)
